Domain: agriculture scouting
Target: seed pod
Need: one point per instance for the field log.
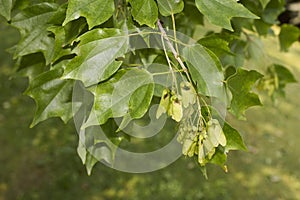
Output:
(201, 153)
(215, 133)
(192, 149)
(175, 108)
(164, 103)
(188, 93)
(186, 146)
(209, 148)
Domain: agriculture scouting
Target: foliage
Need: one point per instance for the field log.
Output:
(92, 42)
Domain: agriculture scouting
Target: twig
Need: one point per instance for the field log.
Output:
(164, 34)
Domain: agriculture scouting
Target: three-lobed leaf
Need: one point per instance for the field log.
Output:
(240, 86)
(52, 96)
(96, 56)
(32, 24)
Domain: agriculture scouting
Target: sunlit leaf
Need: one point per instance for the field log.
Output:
(5, 8)
(32, 24)
(95, 12)
(219, 12)
(144, 12)
(96, 56)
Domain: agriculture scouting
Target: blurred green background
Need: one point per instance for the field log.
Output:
(42, 162)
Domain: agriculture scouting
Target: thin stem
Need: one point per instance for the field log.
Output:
(164, 34)
(162, 73)
(174, 32)
(169, 62)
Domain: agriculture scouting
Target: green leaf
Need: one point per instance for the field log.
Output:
(127, 92)
(33, 17)
(32, 24)
(188, 19)
(216, 44)
(59, 16)
(205, 71)
(98, 143)
(138, 106)
(5, 8)
(262, 27)
(169, 7)
(220, 157)
(284, 75)
(219, 12)
(238, 47)
(73, 29)
(264, 3)
(52, 96)
(272, 10)
(58, 51)
(97, 53)
(192, 14)
(30, 65)
(90, 162)
(288, 35)
(95, 12)
(240, 86)
(234, 139)
(81, 149)
(23, 4)
(144, 12)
